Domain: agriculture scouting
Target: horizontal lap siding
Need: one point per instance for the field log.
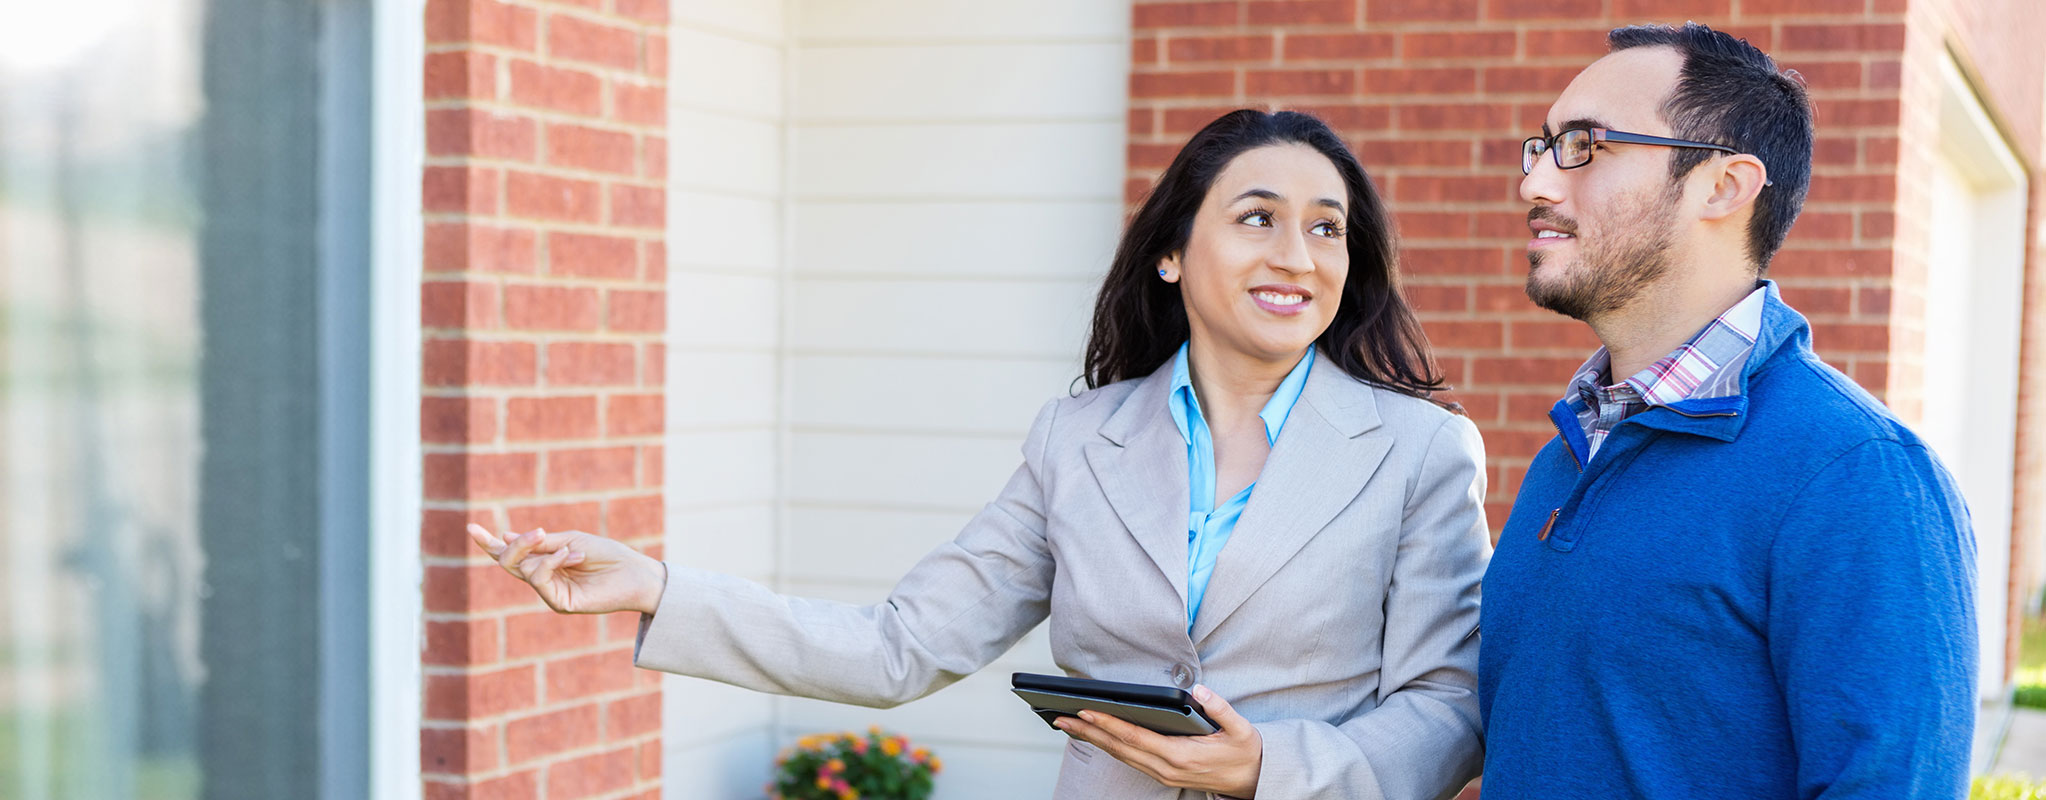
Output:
(955, 194)
(726, 221)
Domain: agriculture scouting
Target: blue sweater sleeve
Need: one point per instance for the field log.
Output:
(1872, 626)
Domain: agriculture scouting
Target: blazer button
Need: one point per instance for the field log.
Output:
(1182, 676)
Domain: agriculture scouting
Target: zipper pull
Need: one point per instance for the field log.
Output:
(1544, 535)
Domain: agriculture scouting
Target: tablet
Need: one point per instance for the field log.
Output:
(1164, 709)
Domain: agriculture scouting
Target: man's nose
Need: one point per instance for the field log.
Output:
(1543, 184)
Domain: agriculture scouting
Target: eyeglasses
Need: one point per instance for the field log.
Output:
(1572, 148)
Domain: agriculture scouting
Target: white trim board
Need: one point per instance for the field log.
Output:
(398, 157)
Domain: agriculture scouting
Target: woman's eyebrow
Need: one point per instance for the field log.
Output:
(1267, 194)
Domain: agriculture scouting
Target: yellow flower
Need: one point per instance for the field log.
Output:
(874, 729)
(835, 765)
(893, 747)
(936, 766)
(823, 782)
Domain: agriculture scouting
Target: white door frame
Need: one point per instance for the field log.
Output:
(1974, 291)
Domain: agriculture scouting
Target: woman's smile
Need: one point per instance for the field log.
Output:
(1284, 299)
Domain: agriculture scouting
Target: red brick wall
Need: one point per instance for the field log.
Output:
(2028, 515)
(544, 311)
(1996, 45)
(1435, 96)
(1998, 41)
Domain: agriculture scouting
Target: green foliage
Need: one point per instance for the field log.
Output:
(2006, 787)
(2031, 675)
(848, 766)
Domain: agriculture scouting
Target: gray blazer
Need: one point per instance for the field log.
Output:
(1341, 618)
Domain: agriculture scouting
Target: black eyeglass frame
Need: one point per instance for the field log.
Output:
(1527, 158)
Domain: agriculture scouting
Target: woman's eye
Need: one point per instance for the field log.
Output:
(1259, 218)
(1327, 229)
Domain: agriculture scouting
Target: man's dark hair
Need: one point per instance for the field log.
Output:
(1731, 93)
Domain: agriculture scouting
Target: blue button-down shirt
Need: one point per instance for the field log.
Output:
(1208, 525)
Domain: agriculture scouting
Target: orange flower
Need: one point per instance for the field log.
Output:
(834, 766)
(823, 782)
(920, 755)
(860, 746)
(893, 747)
(936, 766)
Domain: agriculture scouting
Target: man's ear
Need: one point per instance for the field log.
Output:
(1738, 179)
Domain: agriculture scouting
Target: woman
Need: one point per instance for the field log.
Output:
(1256, 381)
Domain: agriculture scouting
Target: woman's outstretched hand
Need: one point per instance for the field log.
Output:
(576, 572)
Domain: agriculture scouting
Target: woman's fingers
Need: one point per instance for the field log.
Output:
(1128, 733)
(485, 539)
(1222, 713)
(516, 549)
(541, 572)
(1106, 732)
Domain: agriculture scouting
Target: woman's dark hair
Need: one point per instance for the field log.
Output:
(1731, 93)
(1140, 321)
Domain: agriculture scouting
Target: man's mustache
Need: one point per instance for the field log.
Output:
(1549, 215)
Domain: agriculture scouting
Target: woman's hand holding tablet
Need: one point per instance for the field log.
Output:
(1155, 729)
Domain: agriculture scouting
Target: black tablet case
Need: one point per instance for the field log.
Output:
(1163, 709)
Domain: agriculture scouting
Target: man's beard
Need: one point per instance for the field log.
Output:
(1631, 253)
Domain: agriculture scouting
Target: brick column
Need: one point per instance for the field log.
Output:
(1435, 96)
(544, 313)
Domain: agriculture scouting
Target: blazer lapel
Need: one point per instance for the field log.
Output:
(1317, 468)
(1142, 470)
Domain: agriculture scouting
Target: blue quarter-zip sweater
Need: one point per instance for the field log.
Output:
(1767, 595)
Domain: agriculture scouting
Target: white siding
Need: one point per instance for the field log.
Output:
(887, 222)
(725, 234)
(955, 194)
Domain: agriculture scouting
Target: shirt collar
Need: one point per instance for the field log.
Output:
(1708, 365)
(1185, 403)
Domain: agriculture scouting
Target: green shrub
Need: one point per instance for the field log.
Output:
(2031, 696)
(2006, 787)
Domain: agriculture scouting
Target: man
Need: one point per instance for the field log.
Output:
(1733, 573)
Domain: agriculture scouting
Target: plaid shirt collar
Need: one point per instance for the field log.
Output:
(1709, 365)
